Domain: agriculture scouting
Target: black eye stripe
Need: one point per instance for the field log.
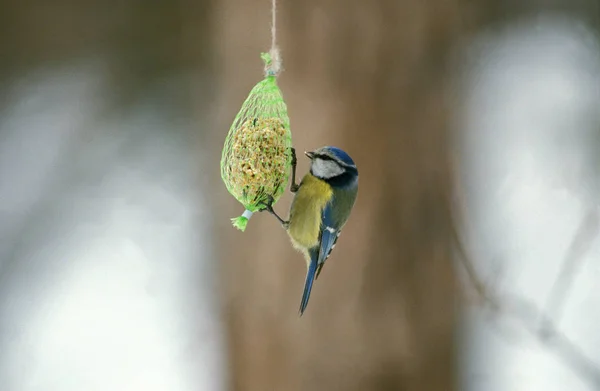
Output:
(329, 158)
(325, 157)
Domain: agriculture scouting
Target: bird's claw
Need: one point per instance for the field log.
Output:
(294, 187)
(294, 158)
(268, 206)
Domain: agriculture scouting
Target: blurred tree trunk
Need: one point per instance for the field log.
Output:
(371, 78)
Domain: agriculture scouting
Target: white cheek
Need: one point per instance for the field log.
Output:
(326, 168)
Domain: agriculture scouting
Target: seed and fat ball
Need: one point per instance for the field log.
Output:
(259, 157)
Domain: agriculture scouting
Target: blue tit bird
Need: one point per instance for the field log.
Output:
(322, 204)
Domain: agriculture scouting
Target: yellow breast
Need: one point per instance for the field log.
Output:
(305, 215)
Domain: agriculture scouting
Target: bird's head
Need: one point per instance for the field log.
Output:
(332, 164)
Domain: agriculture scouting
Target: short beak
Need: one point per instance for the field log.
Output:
(310, 155)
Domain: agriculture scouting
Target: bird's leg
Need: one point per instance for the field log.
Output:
(294, 187)
(268, 206)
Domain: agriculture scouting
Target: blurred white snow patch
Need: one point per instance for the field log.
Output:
(46, 111)
(531, 137)
(106, 278)
(534, 96)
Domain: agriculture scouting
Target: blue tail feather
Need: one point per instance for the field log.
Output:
(310, 278)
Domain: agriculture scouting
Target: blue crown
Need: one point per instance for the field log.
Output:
(343, 156)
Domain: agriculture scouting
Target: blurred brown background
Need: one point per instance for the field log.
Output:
(371, 78)
(119, 269)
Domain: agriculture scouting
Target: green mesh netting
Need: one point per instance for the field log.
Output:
(256, 159)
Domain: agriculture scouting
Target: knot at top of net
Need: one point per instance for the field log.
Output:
(272, 62)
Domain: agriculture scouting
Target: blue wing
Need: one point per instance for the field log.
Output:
(330, 231)
(320, 253)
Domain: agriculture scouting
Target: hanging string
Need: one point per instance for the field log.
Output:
(273, 65)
